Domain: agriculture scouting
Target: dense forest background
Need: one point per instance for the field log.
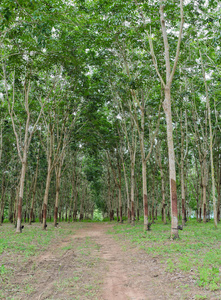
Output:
(112, 107)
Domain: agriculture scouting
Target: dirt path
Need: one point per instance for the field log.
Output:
(91, 264)
(130, 274)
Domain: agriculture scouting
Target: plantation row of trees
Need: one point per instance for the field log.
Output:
(115, 106)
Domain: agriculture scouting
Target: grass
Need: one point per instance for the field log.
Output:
(18, 252)
(197, 251)
(31, 241)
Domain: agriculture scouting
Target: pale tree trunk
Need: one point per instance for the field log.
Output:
(58, 186)
(118, 185)
(138, 211)
(211, 143)
(34, 192)
(197, 189)
(45, 202)
(167, 108)
(144, 167)
(132, 145)
(58, 173)
(52, 161)
(145, 203)
(163, 195)
(109, 194)
(22, 146)
(127, 193)
(182, 178)
(21, 193)
(140, 129)
(204, 185)
(159, 161)
(48, 179)
(120, 204)
(119, 192)
(132, 190)
(72, 197)
(172, 168)
(153, 194)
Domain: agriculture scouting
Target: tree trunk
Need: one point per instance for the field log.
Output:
(34, 192)
(163, 197)
(211, 143)
(182, 177)
(21, 193)
(58, 185)
(132, 190)
(45, 203)
(153, 194)
(145, 203)
(120, 203)
(172, 168)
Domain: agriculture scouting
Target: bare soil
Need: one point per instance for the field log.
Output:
(91, 264)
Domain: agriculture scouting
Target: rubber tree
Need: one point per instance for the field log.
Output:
(166, 84)
(22, 141)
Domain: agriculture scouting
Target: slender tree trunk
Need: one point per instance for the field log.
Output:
(145, 203)
(58, 185)
(211, 143)
(21, 193)
(163, 191)
(172, 169)
(120, 204)
(109, 194)
(10, 213)
(204, 185)
(127, 193)
(45, 203)
(138, 212)
(132, 191)
(153, 193)
(34, 192)
(183, 203)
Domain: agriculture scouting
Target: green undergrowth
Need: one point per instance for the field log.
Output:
(197, 251)
(31, 241)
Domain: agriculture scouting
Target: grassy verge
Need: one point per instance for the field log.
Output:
(198, 251)
(31, 241)
(69, 271)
